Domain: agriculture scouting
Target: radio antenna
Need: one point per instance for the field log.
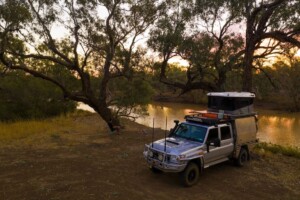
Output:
(166, 133)
(153, 133)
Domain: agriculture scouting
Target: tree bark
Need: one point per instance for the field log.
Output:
(248, 61)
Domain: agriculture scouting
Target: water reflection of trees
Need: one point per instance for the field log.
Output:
(279, 129)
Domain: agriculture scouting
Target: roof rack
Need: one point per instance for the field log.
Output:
(211, 118)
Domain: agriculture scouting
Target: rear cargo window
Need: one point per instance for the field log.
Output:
(225, 133)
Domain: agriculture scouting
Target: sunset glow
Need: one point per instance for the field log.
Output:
(179, 60)
(298, 53)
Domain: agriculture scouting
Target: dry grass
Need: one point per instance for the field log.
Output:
(51, 131)
(278, 149)
(24, 129)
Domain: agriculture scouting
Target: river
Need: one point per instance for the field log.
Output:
(277, 127)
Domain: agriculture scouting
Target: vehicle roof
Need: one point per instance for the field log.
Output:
(232, 94)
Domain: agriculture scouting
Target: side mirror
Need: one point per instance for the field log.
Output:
(215, 142)
(176, 122)
(208, 143)
(207, 146)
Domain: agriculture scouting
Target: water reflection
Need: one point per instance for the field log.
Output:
(280, 128)
(274, 127)
(171, 111)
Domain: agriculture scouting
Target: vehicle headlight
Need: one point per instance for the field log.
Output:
(160, 157)
(150, 153)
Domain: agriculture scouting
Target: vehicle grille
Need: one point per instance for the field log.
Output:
(156, 154)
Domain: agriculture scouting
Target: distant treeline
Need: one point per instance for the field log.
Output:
(25, 97)
(276, 87)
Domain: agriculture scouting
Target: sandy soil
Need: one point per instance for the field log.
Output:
(95, 165)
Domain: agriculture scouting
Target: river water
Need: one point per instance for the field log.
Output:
(277, 127)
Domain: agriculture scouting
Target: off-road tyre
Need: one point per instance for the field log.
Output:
(190, 175)
(243, 158)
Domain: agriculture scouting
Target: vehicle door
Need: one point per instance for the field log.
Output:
(214, 151)
(227, 145)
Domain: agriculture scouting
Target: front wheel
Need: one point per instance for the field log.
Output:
(190, 175)
(243, 158)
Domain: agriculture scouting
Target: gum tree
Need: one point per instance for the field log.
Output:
(95, 41)
(265, 20)
(198, 32)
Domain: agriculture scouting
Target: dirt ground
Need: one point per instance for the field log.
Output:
(94, 165)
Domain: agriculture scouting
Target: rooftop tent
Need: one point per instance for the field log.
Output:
(231, 102)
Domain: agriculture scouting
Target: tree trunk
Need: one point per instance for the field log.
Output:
(221, 81)
(247, 75)
(107, 115)
(251, 39)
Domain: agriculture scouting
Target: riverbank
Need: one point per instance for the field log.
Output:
(75, 157)
(276, 127)
(200, 98)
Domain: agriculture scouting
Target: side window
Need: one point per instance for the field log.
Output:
(225, 133)
(213, 134)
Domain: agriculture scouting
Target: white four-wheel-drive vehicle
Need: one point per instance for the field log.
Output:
(226, 130)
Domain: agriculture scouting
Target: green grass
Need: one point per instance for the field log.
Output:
(278, 149)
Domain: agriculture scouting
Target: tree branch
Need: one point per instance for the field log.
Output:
(51, 43)
(23, 67)
(267, 75)
(282, 37)
(43, 57)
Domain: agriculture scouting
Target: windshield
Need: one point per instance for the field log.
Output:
(187, 131)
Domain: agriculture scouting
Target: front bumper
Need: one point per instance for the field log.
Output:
(164, 165)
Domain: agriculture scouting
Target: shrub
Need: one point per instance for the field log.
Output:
(278, 149)
(26, 97)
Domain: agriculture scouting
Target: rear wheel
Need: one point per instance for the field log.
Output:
(243, 157)
(190, 175)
